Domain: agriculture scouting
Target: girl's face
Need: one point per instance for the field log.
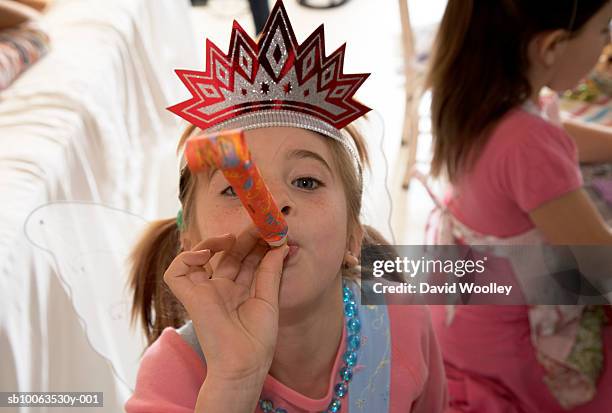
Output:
(300, 172)
(582, 51)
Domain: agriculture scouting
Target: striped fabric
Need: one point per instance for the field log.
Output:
(20, 48)
(598, 111)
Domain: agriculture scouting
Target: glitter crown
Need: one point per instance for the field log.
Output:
(274, 76)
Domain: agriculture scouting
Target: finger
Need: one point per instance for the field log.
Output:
(216, 244)
(249, 265)
(268, 275)
(196, 258)
(190, 261)
(177, 280)
(184, 262)
(231, 261)
(198, 277)
(200, 255)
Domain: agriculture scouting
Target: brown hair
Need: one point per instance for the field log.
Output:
(154, 305)
(478, 69)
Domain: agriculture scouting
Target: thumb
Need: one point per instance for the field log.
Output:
(268, 275)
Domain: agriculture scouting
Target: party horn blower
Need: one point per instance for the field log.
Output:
(228, 152)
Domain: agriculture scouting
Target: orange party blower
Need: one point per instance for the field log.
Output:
(228, 152)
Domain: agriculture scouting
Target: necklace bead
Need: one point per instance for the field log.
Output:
(266, 405)
(347, 296)
(350, 358)
(334, 406)
(341, 389)
(353, 342)
(354, 326)
(346, 373)
(350, 309)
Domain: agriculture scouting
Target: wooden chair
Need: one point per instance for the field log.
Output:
(414, 87)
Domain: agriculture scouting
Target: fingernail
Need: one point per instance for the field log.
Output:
(204, 252)
(286, 250)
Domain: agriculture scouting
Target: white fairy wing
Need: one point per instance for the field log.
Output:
(377, 202)
(89, 245)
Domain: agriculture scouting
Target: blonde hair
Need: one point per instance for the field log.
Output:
(154, 305)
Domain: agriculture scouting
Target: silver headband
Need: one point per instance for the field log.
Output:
(271, 118)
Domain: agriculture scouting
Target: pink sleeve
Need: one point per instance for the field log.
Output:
(434, 397)
(541, 167)
(417, 370)
(169, 377)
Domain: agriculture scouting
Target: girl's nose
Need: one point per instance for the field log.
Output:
(282, 198)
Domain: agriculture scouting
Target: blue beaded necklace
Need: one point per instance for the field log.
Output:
(353, 342)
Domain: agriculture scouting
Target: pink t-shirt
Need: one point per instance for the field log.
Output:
(526, 163)
(171, 372)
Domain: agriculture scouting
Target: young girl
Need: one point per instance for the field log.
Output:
(515, 180)
(241, 327)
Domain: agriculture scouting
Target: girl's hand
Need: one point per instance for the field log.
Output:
(234, 308)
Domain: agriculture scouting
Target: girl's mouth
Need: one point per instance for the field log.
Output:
(293, 250)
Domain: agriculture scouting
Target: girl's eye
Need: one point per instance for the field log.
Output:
(229, 191)
(307, 183)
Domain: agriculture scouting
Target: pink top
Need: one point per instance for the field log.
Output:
(526, 162)
(171, 373)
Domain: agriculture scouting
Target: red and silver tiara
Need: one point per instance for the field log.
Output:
(273, 82)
